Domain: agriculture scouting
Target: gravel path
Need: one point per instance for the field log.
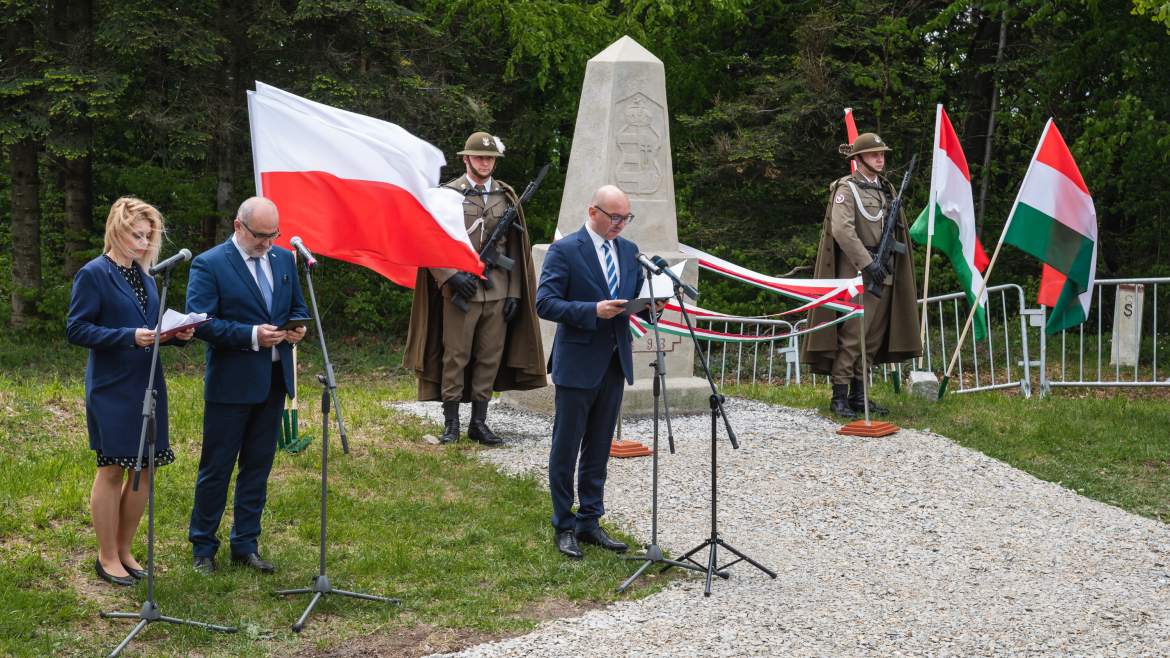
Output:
(907, 545)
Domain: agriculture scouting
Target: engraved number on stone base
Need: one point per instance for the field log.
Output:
(646, 343)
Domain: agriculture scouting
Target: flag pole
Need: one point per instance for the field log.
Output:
(942, 388)
(926, 282)
(929, 237)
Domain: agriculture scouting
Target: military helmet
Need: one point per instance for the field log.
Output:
(865, 143)
(481, 143)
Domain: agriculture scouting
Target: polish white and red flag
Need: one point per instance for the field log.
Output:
(356, 188)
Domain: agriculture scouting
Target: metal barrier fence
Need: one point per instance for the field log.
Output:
(757, 361)
(1118, 345)
(1093, 354)
(1000, 361)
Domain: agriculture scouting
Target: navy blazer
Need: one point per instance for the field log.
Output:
(222, 286)
(571, 284)
(103, 315)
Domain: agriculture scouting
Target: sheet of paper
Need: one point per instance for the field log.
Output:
(173, 319)
(663, 286)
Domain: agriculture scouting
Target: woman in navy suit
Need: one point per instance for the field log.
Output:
(113, 303)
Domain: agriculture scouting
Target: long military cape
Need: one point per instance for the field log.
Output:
(522, 367)
(902, 341)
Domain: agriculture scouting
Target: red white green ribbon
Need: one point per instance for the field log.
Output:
(640, 327)
(837, 294)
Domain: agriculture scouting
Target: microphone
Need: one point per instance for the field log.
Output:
(170, 263)
(299, 245)
(664, 267)
(650, 266)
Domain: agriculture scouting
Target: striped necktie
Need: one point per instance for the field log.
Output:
(611, 276)
(262, 282)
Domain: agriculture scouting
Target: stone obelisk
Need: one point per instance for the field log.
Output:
(622, 138)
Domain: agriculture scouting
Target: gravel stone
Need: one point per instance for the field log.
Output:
(908, 545)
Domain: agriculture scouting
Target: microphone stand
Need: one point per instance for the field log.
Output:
(321, 585)
(146, 444)
(653, 554)
(714, 541)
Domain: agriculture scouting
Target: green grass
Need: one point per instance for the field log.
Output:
(1113, 446)
(468, 550)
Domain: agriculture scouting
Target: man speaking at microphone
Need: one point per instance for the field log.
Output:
(586, 280)
(249, 288)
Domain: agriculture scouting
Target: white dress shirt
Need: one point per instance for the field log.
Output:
(266, 268)
(598, 241)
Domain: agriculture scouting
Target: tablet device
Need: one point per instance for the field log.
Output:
(293, 323)
(635, 306)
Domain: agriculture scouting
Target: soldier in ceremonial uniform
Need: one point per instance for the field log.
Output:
(463, 355)
(854, 221)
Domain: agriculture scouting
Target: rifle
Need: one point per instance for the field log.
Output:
(889, 245)
(490, 256)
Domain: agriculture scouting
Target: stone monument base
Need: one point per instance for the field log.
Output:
(686, 395)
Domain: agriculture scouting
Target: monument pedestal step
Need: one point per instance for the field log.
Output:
(624, 449)
(870, 429)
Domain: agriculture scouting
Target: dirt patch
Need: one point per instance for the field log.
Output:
(558, 609)
(419, 640)
(424, 639)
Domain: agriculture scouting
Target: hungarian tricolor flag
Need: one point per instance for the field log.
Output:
(950, 216)
(356, 188)
(1054, 220)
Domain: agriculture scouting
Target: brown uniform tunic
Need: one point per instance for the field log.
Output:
(857, 218)
(476, 338)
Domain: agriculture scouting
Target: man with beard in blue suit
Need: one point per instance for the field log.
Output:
(587, 278)
(249, 288)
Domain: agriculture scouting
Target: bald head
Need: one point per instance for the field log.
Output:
(251, 205)
(608, 202)
(257, 225)
(609, 195)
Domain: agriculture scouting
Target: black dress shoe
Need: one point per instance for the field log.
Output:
(137, 574)
(597, 537)
(567, 544)
(121, 581)
(205, 565)
(254, 561)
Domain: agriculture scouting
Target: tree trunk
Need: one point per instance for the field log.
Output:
(985, 177)
(78, 188)
(26, 231)
(225, 188)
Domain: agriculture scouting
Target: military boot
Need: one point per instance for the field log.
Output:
(450, 422)
(478, 429)
(840, 403)
(857, 400)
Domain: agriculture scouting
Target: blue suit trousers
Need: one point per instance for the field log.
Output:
(245, 433)
(582, 432)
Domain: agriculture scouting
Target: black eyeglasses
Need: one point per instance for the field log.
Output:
(615, 218)
(260, 236)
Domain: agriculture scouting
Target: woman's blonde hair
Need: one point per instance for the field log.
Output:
(120, 224)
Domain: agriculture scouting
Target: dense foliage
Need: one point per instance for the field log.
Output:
(102, 98)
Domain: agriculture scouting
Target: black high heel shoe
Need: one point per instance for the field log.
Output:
(123, 581)
(136, 574)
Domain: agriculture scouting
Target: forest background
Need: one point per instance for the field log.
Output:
(100, 99)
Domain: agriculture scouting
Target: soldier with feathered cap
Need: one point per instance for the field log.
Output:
(463, 355)
(854, 221)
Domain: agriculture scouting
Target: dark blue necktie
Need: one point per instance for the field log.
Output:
(262, 281)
